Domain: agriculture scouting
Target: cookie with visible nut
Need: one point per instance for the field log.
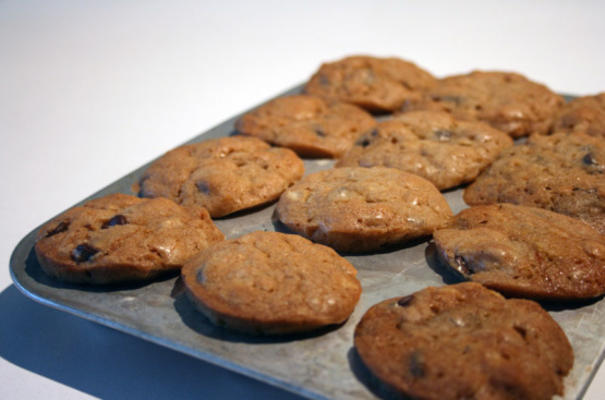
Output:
(309, 125)
(561, 173)
(363, 209)
(272, 283)
(507, 101)
(373, 83)
(222, 175)
(464, 342)
(584, 114)
(430, 144)
(525, 252)
(121, 238)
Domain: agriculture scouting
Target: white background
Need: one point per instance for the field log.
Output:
(91, 90)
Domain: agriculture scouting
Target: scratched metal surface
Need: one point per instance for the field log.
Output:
(320, 365)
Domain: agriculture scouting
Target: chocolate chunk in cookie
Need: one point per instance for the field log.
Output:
(222, 175)
(119, 238)
(525, 251)
(430, 144)
(464, 342)
(272, 283)
(362, 209)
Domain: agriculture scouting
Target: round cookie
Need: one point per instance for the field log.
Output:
(561, 173)
(583, 114)
(505, 100)
(271, 283)
(362, 209)
(222, 175)
(464, 342)
(119, 238)
(310, 126)
(376, 84)
(525, 251)
(431, 144)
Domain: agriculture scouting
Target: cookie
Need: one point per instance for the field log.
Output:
(362, 209)
(525, 251)
(583, 114)
(271, 283)
(376, 84)
(222, 175)
(464, 342)
(561, 173)
(310, 126)
(120, 238)
(505, 100)
(430, 144)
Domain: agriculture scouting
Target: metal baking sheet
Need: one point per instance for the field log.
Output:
(318, 365)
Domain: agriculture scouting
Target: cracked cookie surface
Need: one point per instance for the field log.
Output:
(525, 251)
(464, 342)
(373, 83)
(222, 175)
(363, 209)
(310, 126)
(430, 144)
(561, 173)
(505, 100)
(119, 238)
(272, 283)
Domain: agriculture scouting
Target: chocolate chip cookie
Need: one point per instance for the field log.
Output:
(310, 126)
(584, 114)
(505, 100)
(464, 342)
(119, 238)
(376, 84)
(272, 283)
(362, 209)
(431, 144)
(562, 173)
(525, 251)
(222, 175)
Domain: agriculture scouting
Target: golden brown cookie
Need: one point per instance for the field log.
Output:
(362, 209)
(222, 175)
(525, 251)
(310, 126)
(561, 173)
(583, 114)
(272, 283)
(119, 238)
(505, 100)
(431, 144)
(376, 84)
(464, 342)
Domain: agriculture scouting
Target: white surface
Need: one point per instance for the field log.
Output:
(90, 91)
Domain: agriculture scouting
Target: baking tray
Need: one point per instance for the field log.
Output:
(318, 365)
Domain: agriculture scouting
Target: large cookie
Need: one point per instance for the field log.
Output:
(525, 251)
(561, 173)
(362, 209)
(430, 144)
(310, 126)
(272, 283)
(464, 342)
(584, 114)
(120, 238)
(376, 84)
(507, 101)
(222, 175)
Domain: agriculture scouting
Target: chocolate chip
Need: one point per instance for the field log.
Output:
(416, 365)
(203, 187)
(462, 265)
(405, 301)
(319, 132)
(62, 227)
(83, 252)
(589, 160)
(115, 220)
(363, 142)
(443, 135)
